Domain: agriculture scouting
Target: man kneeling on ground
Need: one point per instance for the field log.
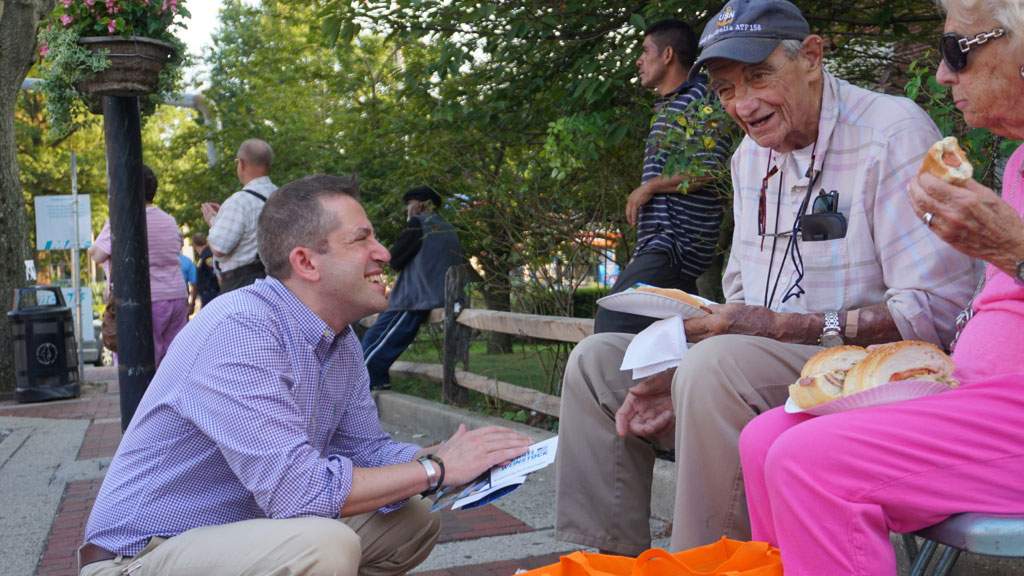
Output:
(257, 448)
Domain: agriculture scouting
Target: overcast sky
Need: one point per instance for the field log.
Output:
(201, 26)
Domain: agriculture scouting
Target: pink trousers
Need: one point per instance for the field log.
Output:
(827, 490)
(169, 317)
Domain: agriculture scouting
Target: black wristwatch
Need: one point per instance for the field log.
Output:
(831, 335)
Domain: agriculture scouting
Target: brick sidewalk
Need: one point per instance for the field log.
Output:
(100, 406)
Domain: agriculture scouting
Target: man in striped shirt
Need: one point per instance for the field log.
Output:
(677, 230)
(797, 280)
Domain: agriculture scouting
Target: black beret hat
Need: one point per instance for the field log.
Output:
(423, 194)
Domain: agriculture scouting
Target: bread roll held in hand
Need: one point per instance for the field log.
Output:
(823, 375)
(946, 160)
(677, 294)
(900, 361)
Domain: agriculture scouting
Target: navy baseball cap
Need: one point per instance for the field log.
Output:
(749, 31)
(423, 194)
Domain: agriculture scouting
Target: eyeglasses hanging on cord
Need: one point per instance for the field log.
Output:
(825, 222)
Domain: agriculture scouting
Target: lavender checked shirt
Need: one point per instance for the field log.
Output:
(259, 410)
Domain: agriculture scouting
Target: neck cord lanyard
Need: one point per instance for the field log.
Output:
(813, 175)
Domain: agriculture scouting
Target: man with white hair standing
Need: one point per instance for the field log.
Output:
(232, 234)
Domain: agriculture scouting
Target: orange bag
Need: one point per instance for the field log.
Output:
(723, 558)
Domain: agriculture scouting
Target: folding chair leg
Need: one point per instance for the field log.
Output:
(923, 558)
(910, 547)
(946, 561)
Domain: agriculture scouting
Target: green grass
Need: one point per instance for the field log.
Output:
(530, 365)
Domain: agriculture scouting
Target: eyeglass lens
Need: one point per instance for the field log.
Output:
(825, 202)
(949, 47)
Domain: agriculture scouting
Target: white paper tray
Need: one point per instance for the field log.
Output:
(884, 394)
(650, 304)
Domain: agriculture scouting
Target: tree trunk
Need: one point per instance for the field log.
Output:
(18, 23)
(497, 290)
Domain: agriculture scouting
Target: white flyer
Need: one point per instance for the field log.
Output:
(498, 481)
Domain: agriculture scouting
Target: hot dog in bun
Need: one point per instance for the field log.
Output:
(823, 375)
(946, 160)
(900, 361)
(678, 295)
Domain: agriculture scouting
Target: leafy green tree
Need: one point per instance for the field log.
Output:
(18, 24)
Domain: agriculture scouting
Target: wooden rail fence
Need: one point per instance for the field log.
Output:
(459, 323)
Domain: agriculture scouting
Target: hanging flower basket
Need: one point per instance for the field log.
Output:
(135, 64)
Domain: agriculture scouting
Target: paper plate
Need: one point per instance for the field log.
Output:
(650, 304)
(884, 394)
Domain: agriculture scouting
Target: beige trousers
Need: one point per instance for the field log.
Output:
(371, 544)
(604, 482)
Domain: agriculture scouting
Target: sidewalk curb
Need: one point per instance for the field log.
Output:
(437, 420)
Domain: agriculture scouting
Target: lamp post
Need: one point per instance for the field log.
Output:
(129, 251)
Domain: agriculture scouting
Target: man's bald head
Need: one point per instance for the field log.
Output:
(254, 159)
(257, 152)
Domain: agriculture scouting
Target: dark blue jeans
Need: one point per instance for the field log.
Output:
(385, 341)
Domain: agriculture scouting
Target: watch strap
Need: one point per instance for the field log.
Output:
(432, 474)
(831, 324)
(435, 479)
(831, 333)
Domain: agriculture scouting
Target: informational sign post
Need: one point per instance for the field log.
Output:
(84, 306)
(55, 226)
(59, 220)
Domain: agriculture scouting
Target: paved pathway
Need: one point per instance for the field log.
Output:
(53, 457)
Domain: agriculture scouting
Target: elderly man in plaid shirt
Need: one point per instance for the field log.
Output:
(826, 248)
(232, 236)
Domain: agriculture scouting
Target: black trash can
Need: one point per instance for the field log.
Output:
(45, 357)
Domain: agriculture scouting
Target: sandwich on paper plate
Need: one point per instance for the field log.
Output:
(837, 372)
(677, 294)
(946, 160)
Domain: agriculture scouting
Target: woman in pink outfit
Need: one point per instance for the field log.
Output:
(168, 294)
(828, 490)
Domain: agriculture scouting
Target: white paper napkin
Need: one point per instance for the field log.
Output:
(658, 348)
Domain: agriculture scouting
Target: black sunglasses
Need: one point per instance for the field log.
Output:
(954, 47)
(826, 203)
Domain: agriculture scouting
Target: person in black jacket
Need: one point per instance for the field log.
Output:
(427, 247)
(207, 282)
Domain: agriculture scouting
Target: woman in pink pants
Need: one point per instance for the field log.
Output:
(827, 490)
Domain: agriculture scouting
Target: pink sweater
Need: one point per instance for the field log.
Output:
(992, 343)
(165, 281)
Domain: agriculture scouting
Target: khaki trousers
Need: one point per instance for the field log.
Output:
(371, 544)
(604, 482)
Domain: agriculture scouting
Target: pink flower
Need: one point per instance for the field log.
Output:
(90, 2)
(67, 3)
(66, 19)
(111, 26)
(44, 49)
